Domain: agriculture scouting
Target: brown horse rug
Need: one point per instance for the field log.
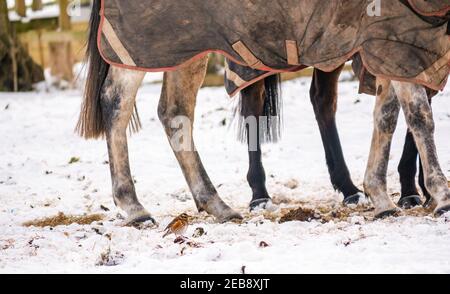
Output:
(407, 40)
(238, 77)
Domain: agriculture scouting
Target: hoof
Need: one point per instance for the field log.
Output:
(410, 202)
(140, 219)
(259, 204)
(230, 217)
(429, 203)
(353, 199)
(387, 213)
(220, 210)
(442, 210)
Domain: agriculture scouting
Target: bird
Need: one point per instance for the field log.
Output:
(177, 226)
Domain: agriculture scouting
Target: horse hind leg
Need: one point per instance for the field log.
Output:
(407, 170)
(419, 117)
(176, 108)
(386, 114)
(251, 109)
(324, 94)
(117, 104)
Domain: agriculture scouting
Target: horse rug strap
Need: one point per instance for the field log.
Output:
(286, 35)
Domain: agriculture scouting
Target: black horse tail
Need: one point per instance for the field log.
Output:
(270, 118)
(273, 109)
(90, 123)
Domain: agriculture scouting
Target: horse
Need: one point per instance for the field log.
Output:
(257, 101)
(109, 107)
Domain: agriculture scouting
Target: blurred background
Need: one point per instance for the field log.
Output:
(42, 41)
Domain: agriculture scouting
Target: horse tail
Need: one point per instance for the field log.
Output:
(270, 118)
(90, 123)
(273, 109)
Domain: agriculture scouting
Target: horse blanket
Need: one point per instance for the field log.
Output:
(407, 40)
(238, 77)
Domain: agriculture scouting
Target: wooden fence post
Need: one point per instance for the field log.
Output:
(13, 55)
(61, 60)
(64, 18)
(21, 8)
(61, 55)
(41, 48)
(37, 5)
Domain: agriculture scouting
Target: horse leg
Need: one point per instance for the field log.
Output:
(177, 105)
(426, 194)
(386, 113)
(252, 107)
(419, 117)
(428, 198)
(117, 104)
(323, 93)
(407, 170)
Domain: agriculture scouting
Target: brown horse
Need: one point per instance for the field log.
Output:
(108, 110)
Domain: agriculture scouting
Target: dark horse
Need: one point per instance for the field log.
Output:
(260, 100)
(110, 100)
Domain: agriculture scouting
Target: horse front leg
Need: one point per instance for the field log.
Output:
(428, 198)
(252, 108)
(176, 109)
(422, 185)
(419, 117)
(323, 94)
(386, 113)
(117, 103)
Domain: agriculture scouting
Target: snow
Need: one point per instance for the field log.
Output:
(50, 10)
(36, 180)
(27, 2)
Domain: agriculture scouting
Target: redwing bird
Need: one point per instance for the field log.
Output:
(178, 226)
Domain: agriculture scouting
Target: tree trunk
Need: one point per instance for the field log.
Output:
(17, 70)
(4, 21)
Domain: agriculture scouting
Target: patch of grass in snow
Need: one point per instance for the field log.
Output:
(74, 160)
(64, 220)
(300, 214)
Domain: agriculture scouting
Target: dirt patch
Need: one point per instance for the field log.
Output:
(327, 214)
(343, 213)
(418, 212)
(300, 214)
(64, 220)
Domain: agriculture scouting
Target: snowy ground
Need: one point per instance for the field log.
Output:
(36, 180)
